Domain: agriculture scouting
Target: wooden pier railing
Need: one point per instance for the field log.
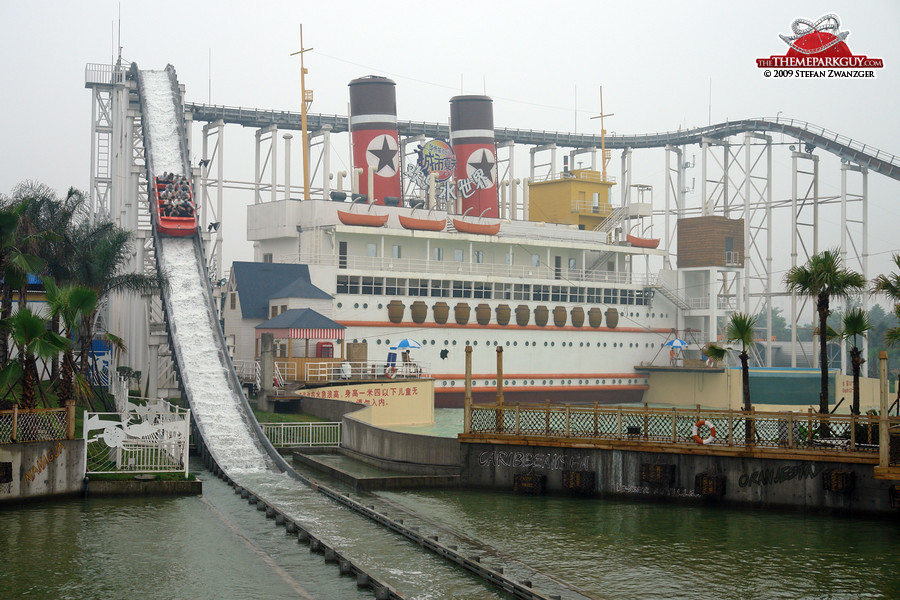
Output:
(683, 428)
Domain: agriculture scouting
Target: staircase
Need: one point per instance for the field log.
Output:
(618, 215)
(673, 296)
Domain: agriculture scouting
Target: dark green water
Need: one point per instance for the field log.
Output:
(615, 549)
(213, 547)
(219, 547)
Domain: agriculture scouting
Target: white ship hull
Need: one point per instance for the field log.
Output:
(527, 267)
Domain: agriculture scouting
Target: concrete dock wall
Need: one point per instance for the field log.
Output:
(405, 452)
(35, 469)
(798, 484)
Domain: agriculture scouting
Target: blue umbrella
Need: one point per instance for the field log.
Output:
(677, 343)
(408, 343)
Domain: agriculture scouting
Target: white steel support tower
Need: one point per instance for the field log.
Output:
(674, 196)
(266, 160)
(506, 173)
(118, 192)
(549, 166)
(804, 220)
(625, 183)
(213, 175)
(855, 239)
(757, 210)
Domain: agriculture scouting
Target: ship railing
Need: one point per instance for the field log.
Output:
(802, 431)
(371, 370)
(584, 175)
(698, 303)
(427, 269)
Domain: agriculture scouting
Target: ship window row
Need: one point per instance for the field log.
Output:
(446, 288)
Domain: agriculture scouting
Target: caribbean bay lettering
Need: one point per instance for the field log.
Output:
(779, 475)
(551, 461)
(43, 461)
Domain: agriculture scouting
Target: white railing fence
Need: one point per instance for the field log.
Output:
(367, 370)
(145, 439)
(303, 434)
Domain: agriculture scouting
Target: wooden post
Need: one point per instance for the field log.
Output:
(647, 418)
(568, 421)
(752, 440)
(500, 388)
(500, 375)
(547, 418)
(674, 425)
(884, 434)
(467, 400)
(791, 429)
(731, 427)
(518, 420)
(70, 419)
(15, 424)
(808, 426)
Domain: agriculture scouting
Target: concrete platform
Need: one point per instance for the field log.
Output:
(363, 476)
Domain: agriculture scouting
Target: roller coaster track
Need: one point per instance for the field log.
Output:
(807, 134)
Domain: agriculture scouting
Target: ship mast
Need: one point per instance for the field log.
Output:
(602, 135)
(307, 98)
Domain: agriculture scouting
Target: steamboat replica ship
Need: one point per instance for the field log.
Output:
(564, 282)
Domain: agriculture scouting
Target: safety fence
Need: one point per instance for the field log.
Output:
(810, 430)
(150, 439)
(303, 434)
(37, 424)
(367, 370)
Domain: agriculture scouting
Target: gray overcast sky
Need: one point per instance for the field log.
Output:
(538, 60)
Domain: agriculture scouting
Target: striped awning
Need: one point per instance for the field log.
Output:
(303, 334)
(301, 324)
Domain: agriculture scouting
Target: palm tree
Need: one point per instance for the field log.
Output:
(14, 264)
(48, 221)
(889, 285)
(102, 251)
(740, 329)
(714, 352)
(822, 278)
(33, 341)
(892, 335)
(69, 304)
(855, 323)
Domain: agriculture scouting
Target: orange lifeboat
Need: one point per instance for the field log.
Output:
(364, 219)
(642, 242)
(478, 228)
(422, 224)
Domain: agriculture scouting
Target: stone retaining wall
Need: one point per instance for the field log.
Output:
(771, 483)
(41, 469)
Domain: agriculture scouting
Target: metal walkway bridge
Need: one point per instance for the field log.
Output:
(813, 136)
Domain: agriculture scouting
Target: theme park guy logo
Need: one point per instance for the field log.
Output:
(818, 49)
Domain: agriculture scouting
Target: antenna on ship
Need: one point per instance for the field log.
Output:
(307, 98)
(603, 158)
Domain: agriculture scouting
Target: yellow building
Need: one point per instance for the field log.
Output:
(579, 197)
